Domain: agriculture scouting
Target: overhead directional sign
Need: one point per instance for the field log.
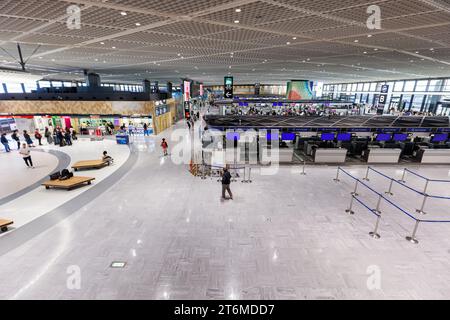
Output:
(382, 98)
(228, 88)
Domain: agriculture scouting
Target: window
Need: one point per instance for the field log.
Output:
(447, 85)
(354, 87)
(398, 86)
(373, 87)
(44, 84)
(409, 86)
(29, 86)
(417, 103)
(360, 87)
(14, 87)
(366, 87)
(435, 85)
(422, 85)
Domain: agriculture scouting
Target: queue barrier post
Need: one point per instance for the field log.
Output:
(203, 172)
(403, 176)
(389, 192)
(355, 191)
(377, 209)
(422, 208)
(250, 175)
(350, 209)
(367, 174)
(374, 234)
(413, 238)
(426, 187)
(337, 175)
(303, 173)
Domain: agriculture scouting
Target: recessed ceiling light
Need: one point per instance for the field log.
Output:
(356, 41)
(113, 47)
(123, 13)
(138, 24)
(53, 59)
(102, 42)
(288, 43)
(365, 52)
(294, 38)
(238, 10)
(179, 54)
(236, 21)
(96, 59)
(432, 49)
(376, 49)
(6, 61)
(369, 36)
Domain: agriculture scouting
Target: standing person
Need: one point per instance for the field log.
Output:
(189, 124)
(38, 136)
(28, 138)
(226, 181)
(26, 155)
(130, 129)
(164, 146)
(15, 136)
(48, 135)
(73, 133)
(145, 129)
(68, 138)
(5, 142)
(60, 137)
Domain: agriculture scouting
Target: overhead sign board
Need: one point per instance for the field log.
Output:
(228, 87)
(382, 98)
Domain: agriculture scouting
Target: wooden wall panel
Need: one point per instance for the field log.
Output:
(78, 107)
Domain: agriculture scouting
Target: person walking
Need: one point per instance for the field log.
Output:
(26, 155)
(15, 137)
(226, 181)
(189, 124)
(60, 137)
(164, 146)
(145, 129)
(28, 138)
(5, 142)
(38, 136)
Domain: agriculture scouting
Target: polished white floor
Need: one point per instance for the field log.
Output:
(16, 176)
(285, 236)
(40, 201)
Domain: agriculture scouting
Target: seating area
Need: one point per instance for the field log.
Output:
(89, 164)
(68, 184)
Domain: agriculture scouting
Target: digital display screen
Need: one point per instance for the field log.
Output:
(270, 136)
(327, 136)
(344, 137)
(288, 136)
(383, 137)
(400, 136)
(233, 136)
(440, 137)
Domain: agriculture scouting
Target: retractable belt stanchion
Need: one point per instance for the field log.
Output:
(350, 209)
(355, 191)
(249, 174)
(374, 234)
(203, 172)
(389, 192)
(337, 175)
(377, 209)
(303, 173)
(367, 174)
(403, 176)
(413, 238)
(244, 180)
(422, 208)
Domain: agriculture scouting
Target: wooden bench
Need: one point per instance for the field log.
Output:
(89, 164)
(4, 224)
(68, 184)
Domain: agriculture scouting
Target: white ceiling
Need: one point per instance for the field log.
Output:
(199, 39)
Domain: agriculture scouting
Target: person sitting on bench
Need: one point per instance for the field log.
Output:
(107, 158)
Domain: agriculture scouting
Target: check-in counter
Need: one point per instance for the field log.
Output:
(285, 155)
(383, 155)
(330, 155)
(441, 156)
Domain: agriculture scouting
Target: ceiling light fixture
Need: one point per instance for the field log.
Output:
(238, 10)
(138, 24)
(123, 13)
(369, 36)
(356, 41)
(102, 42)
(236, 21)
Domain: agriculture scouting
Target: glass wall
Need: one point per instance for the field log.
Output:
(421, 95)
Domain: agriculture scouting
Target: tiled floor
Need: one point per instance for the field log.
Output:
(285, 236)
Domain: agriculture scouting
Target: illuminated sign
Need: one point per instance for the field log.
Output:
(228, 88)
(187, 90)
